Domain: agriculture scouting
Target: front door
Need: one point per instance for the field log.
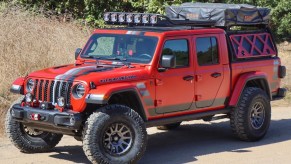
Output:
(208, 70)
(175, 86)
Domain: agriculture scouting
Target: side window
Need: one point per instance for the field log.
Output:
(207, 51)
(180, 49)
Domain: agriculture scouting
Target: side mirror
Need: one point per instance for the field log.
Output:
(168, 61)
(77, 52)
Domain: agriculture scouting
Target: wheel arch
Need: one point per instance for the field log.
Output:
(251, 79)
(130, 98)
(125, 95)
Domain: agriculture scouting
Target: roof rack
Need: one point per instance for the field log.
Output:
(195, 14)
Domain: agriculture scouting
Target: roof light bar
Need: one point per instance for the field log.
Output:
(120, 18)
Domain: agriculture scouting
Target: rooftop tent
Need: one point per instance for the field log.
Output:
(223, 14)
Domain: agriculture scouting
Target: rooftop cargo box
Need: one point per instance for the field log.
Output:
(223, 14)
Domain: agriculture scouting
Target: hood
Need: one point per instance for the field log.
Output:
(91, 72)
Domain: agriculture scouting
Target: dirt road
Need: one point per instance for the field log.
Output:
(193, 142)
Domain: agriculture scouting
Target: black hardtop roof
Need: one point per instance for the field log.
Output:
(224, 15)
(217, 5)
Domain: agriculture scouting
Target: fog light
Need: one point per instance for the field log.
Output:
(72, 121)
(61, 101)
(12, 113)
(28, 97)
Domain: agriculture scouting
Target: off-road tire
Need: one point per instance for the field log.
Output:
(241, 116)
(25, 142)
(169, 126)
(95, 130)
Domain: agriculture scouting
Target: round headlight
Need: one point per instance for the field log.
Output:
(29, 85)
(79, 90)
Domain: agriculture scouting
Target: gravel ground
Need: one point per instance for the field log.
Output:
(193, 142)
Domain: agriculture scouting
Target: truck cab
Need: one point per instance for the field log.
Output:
(155, 71)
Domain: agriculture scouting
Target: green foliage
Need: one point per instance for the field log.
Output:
(92, 10)
(281, 18)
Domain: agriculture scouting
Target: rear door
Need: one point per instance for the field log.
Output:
(208, 70)
(175, 86)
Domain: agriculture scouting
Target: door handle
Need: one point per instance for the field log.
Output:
(216, 74)
(188, 78)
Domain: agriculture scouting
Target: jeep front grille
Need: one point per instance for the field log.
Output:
(50, 90)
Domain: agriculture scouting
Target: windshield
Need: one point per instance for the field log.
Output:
(129, 48)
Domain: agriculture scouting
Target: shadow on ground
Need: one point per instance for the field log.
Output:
(190, 141)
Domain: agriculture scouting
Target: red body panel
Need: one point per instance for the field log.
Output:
(241, 82)
(19, 81)
(166, 94)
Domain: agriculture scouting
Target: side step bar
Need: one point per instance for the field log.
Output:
(188, 117)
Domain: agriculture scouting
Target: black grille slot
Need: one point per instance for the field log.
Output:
(35, 88)
(52, 91)
(63, 89)
(40, 90)
(46, 90)
(56, 90)
(69, 93)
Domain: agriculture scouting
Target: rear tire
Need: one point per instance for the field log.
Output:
(116, 134)
(169, 126)
(29, 140)
(250, 120)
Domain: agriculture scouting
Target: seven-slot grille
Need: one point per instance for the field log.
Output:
(51, 90)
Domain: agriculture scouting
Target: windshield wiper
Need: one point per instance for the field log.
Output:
(92, 57)
(115, 58)
(128, 64)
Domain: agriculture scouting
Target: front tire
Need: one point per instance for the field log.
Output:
(250, 120)
(29, 140)
(116, 134)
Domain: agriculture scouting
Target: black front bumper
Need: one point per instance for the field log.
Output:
(281, 93)
(68, 122)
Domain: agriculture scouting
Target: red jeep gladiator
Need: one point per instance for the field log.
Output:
(199, 61)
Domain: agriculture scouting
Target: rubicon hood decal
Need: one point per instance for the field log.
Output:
(118, 79)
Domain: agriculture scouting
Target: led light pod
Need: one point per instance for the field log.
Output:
(153, 19)
(129, 18)
(113, 17)
(145, 18)
(121, 18)
(107, 17)
(137, 18)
